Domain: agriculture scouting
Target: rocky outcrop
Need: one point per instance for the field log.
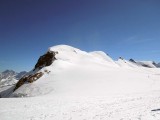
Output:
(154, 63)
(45, 60)
(131, 60)
(144, 65)
(148, 64)
(121, 58)
(29, 79)
(158, 65)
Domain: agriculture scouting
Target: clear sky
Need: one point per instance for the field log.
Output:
(127, 28)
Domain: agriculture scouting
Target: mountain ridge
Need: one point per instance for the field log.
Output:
(63, 58)
(10, 77)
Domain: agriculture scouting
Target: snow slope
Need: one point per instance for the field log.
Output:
(126, 63)
(87, 86)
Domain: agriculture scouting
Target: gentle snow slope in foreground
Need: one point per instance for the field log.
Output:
(87, 86)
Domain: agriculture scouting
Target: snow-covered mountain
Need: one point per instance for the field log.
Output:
(70, 84)
(10, 77)
(148, 64)
(73, 63)
(7, 73)
(158, 65)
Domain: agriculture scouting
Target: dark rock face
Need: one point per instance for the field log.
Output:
(154, 63)
(121, 58)
(45, 60)
(147, 65)
(144, 65)
(29, 79)
(158, 65)
(131, 60)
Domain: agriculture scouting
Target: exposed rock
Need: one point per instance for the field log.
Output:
(47, 71)
(30, 79)
(121, 58)
(131, 60)
(158, 65)
(45, 60)
(144, 65)
(148, 64)
(154, 63)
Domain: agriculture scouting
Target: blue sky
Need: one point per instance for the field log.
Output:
(127, 28)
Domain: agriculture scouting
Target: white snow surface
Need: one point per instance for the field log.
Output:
(87, 86)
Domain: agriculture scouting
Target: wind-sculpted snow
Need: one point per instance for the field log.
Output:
(86, 86)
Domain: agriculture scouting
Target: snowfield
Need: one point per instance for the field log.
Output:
(128, 107)
(87, 86)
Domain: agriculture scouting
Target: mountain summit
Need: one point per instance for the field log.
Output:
(65, 70)
(67, 83)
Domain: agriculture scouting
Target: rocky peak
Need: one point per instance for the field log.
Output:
(7, 73)
(131, 60)
(158, 65)
(154, 63)
(121, 58)
(29, 79)
(45, 60)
